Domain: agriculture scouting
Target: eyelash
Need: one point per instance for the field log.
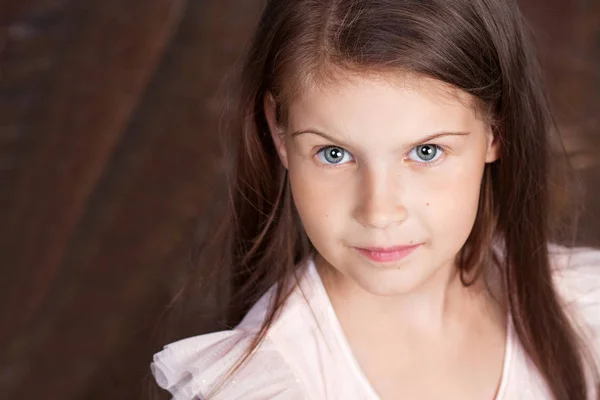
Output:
(420, 163)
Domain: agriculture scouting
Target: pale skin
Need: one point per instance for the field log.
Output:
(378, 162)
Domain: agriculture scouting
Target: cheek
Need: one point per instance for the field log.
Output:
(452, 202)
(319, 201)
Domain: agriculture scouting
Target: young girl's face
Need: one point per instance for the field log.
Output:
(386, 175)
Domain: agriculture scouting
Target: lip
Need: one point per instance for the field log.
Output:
(387, 254)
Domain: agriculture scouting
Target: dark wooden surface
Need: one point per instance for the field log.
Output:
(109, 162)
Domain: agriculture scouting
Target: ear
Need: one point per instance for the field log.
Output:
(277, 132)
(493, 147)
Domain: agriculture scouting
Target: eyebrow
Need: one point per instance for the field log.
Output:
(423, 140)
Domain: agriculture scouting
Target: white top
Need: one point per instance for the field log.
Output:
(305, 354)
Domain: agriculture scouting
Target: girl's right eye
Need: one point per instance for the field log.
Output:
(334, 155)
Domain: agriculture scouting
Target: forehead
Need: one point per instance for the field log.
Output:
(388, 99)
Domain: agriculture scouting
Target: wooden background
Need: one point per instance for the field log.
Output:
(109, 164)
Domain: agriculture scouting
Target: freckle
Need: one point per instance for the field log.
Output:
(427, 204)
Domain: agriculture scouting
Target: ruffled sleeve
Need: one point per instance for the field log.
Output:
(577, 278)
(193, 367)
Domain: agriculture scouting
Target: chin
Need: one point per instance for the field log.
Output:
(389, 279)
(390, 286)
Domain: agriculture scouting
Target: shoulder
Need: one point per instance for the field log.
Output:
(193, 367)
(576, 273)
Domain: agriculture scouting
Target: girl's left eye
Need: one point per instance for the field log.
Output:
(334, 155)
(425, 153)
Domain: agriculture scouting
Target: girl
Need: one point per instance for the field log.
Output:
(391, 207)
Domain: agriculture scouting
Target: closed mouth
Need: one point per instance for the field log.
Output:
(387, 254)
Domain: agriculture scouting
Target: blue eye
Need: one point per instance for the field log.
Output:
(425, 153)
(334, 155)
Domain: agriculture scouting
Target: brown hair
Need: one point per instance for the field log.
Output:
(479, 46)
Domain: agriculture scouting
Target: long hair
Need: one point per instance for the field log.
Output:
(481, 47)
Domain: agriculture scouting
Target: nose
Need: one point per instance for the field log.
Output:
(380, 199)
